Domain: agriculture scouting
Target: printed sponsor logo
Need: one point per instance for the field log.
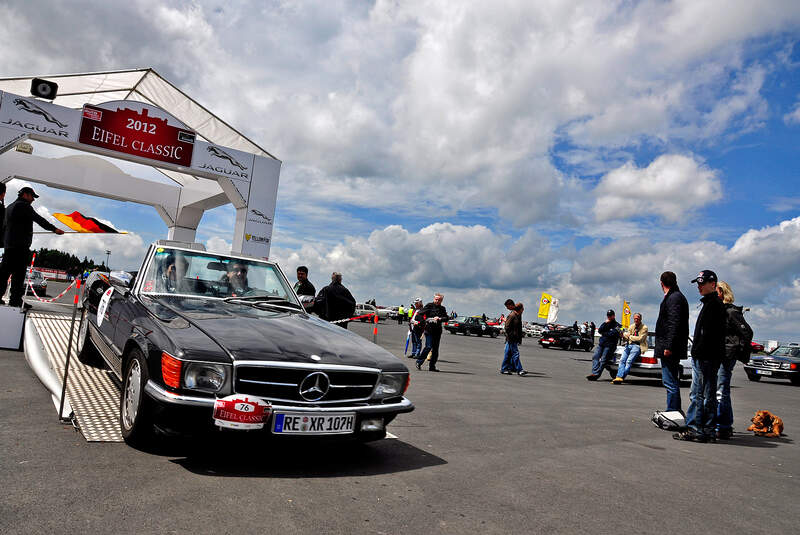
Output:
(186, 137)
(260, 217)
(94, 115)
(30, 107)
(219, 153)
(256, 239)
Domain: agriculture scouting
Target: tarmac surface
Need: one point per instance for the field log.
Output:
(482, 453)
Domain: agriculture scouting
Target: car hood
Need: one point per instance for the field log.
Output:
(251, 334)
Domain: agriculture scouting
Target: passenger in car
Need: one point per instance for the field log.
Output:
(172, 274)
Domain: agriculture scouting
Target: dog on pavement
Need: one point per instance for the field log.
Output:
(766, 424)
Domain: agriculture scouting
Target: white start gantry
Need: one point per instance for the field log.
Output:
(138, 116)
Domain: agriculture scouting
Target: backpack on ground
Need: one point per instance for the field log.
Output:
(669, 420)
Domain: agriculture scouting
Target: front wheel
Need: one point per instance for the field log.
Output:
(134, 414)
(493, 335)
(754, 377)
(795, 380)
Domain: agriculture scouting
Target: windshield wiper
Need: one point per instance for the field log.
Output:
(264, 300)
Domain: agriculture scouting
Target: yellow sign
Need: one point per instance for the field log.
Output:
(626, 314)
(544, 305)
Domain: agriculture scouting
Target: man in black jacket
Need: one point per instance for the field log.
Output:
(708, 349)
(335, 302)
(609, 336)
(19, 219)
(303, 286)
(433, 314)
(672, 337)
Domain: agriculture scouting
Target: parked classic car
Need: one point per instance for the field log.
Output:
(35, 279)
(783, 363)
(467, 325)
(198, 338)
(567, 338)
(647, 365)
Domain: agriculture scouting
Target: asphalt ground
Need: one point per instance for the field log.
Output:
(482, 453)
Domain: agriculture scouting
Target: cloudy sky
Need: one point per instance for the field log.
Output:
(484, 150)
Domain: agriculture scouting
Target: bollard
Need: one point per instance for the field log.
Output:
(69, 350)
(375, 330)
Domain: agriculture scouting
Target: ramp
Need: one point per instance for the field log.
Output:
(92, 392)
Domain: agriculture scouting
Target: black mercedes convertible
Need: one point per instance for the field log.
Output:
(202, 340)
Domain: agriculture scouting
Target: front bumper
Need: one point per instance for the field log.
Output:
(163, 396)
(775, 373)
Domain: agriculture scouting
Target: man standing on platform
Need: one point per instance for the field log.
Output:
(335, 302)
(303, 286)
(19, 219)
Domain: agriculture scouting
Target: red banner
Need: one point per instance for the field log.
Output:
(139, 133)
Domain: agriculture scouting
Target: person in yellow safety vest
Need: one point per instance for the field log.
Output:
(410, 313)
(400, 314)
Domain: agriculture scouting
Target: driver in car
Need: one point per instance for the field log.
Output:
(173, 273)
(236, 277)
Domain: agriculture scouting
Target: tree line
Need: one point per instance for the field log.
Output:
(55, 259)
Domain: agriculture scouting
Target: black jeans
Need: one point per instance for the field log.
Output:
(14, 263)
(431, 346)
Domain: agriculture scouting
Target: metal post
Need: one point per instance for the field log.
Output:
(375, 330)
(69, 351)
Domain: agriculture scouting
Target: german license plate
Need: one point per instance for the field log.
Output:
(299, 423)
(764, 372)
(545, 343)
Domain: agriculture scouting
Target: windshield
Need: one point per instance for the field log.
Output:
(35, 275)
(786, 352)
(196, 273)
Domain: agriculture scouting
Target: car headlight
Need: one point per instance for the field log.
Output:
(204, 376)
(391, 385)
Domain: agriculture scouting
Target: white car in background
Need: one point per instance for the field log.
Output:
(647, 365)
(363, 308)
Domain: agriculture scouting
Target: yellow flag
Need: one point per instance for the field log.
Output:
(544, 305)
(626, 314)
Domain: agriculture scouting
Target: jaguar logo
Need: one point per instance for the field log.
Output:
(314, 386)
(261, 214)
(219, 153)
(30, 107)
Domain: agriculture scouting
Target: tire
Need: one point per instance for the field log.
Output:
(480, 334)
(466, 333)
(135, 418)
(588, 348)
(87, 353)
(493, 334)
(795, 380)
(753, 377)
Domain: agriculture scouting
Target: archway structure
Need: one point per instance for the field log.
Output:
(138, 116)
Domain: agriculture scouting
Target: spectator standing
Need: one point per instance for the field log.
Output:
(303, 286)
(432, 314)
(513, 329)
(593, 328)
(737, 335)
(335, 302)
(708, 351)
(672, 337)
(636, 336)
(416, 326)
(19, 219)
(609, 336)
(401, 312)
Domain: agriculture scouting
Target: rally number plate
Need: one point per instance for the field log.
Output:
(764, 372)
(299, 423)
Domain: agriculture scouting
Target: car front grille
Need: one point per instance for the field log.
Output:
(283, 384)
(769, 364)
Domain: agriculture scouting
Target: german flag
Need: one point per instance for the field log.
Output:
(80, 223)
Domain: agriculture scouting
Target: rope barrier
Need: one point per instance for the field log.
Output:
(59, 296)
(351, 319)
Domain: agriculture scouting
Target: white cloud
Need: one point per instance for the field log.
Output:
(672, 186)
(793, 117)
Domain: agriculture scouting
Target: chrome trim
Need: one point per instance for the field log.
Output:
(305, 366)
(159, 394)
(266, 382)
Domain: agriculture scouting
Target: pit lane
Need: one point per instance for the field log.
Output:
(482, 453)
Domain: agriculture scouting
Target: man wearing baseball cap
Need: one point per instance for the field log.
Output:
(20, 216)
(609, 336)
(708, 349)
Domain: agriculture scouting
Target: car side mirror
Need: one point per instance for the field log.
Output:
(121, 278)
